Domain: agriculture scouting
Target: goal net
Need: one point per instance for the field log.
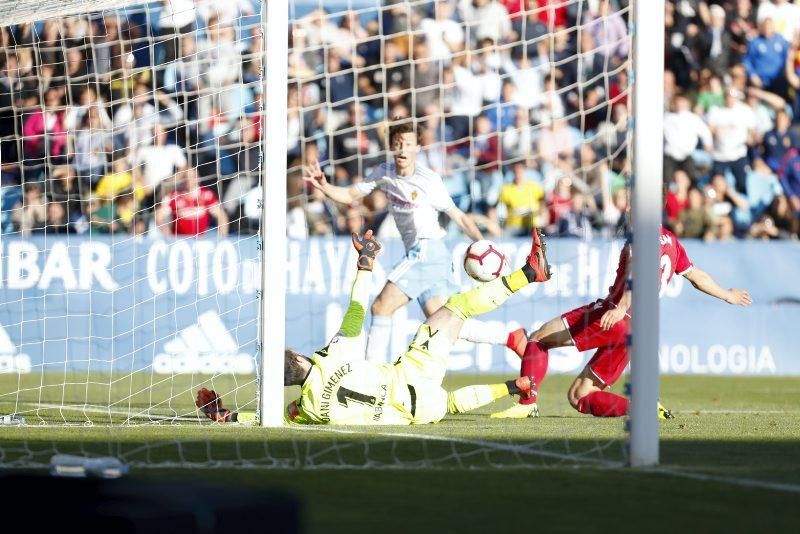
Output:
(132, 173)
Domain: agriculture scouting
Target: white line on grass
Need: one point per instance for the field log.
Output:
(745, 482)
(735, 412)
(111, 411)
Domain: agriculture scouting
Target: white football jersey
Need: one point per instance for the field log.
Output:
(414, 201)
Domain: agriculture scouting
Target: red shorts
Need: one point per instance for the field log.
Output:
(611, 358)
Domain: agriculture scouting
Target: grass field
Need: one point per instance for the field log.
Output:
(730, 460)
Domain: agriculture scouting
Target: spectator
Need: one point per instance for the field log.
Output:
(711, 95)
(487, 153)
(502, 114)
(785, 15)
(188, 211)
(778, 141)
(615, 209)
(577, 221)
(524, 203)
(466, 100)
(120, 180)
(726, 203)
(695, 220)
(30, 215)
(356, 148)
(92, 143)
(442, 33)
(135, 121)
(425, 78)
(677, 197)
(779, 222)
(790, 179)
(765, 60)
(559, 202)
(159, 161)
(518, 138)
(101, 216)
(44, 132)
(733, 128)
(762, 187)
(57, 219)
(720, 52)
(177, 18)
(486, 19)
(683, 130)
(609, 31)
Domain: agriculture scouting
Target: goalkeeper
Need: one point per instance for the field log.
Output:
(339, 387)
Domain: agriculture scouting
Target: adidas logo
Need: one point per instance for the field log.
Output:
(10, 361)
(205, 347)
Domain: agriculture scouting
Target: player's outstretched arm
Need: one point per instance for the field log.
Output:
(312, 174)
(368, 248)
(704, 282)
(466, 224)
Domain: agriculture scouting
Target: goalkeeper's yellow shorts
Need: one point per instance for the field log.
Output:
(423, 367)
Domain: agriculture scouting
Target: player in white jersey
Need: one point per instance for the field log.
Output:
(416, 195)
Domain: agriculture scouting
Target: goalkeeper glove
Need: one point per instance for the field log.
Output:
(211, 405)
(368, 248)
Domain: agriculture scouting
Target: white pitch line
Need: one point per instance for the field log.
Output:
(734, 412)
(745, 482)
(110, 411)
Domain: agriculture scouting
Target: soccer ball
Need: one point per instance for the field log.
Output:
(484, 261)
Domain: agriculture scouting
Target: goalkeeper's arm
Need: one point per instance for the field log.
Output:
(368, 248)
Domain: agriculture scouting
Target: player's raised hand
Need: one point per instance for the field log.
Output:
(368, 247)
(312, 173)
(738, 297)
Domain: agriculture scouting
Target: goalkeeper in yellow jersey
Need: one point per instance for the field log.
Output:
(340, 388)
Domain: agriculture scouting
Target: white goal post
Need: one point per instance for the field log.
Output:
(648, 148)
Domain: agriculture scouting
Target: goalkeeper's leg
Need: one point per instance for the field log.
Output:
(472, 397)
(490, 295)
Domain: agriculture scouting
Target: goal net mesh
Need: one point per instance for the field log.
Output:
(131, 196)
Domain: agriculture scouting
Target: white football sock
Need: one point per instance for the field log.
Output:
(380, 333)
(484, 332)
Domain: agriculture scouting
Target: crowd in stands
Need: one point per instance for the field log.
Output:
(521, 106)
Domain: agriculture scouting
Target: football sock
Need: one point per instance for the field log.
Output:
(471, 397)
(483, 332)
(380, 332)
(488, 296)
(534, 363)
(603, 404)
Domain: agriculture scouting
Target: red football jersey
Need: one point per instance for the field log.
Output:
(190, 211)
(673, 260)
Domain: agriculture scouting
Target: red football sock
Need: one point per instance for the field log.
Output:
(534, 363)
(603, 404)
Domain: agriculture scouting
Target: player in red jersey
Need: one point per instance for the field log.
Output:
(189, 211)
(603, 325)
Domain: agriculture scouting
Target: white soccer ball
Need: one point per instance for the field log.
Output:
(484, 261)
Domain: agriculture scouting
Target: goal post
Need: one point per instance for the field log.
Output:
(647, 206)
(275, 22)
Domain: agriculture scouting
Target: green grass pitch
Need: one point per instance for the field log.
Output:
(730, 459)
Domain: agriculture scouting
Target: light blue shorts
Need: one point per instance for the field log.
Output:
(425, 271)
